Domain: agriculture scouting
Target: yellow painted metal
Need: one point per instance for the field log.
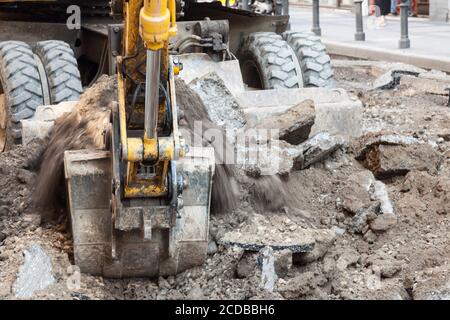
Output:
(154, 24)
(154, 21)
(151, 152)
(176, 70)
(122, 111)
(166, 149)
(178, 152)
(131, 26)
(137, 187)
(173, 18)
(230, 2)
(135, 150)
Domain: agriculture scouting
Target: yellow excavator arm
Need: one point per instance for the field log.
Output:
(156, 23)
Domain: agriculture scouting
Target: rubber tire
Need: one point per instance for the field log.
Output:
(313, 57)
(274, 59)
(61, 68)
(21, 85)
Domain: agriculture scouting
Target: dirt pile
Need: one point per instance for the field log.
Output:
(84, 128)
(16, 181)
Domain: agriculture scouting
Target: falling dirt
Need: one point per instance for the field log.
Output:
(196, 122)
(227, 182)
(84, 128)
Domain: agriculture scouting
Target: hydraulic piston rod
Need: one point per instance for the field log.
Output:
(152, 93)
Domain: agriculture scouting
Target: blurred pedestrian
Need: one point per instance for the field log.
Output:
(394, 7)
(383, 9)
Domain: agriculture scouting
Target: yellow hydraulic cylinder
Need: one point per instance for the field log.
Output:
(157, 23)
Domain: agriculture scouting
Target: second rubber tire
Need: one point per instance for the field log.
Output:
(313, 58)
(61, 69)
(266, 56)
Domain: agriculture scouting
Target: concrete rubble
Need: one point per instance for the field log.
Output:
(294, 126)
(350, 201)
(390, 155)
(268, 274)
(42, 121)
(260, 233)
(316, 149)
(391, 75)
(367, 199)
(35, 274)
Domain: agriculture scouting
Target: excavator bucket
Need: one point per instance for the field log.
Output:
(146, 242)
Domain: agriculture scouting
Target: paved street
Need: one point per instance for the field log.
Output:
(430, 41)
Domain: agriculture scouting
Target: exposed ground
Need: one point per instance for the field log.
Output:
(366, 256)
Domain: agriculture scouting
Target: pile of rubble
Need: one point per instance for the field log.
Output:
(359, 199)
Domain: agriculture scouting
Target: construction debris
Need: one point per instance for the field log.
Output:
(389, 155)
(316, 149)
(344, 216)
(260, 233)
(268, 275)
(35, 274)
(294, 126)
(43, 120)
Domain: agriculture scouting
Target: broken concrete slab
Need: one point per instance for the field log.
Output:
(276, 101)
(365, 143)
(388, 155)
(386, 161)
(35, 274)
(434, 82)
(427, 84)
(42, 121)
(391, 79)
(344, 119)
(294, 126)
(355, 194)
(377, 67)
(222, 108)
(254, 243)
(369, 202)
(197, 65)
(270, 157)
(337, 112)
(260, 232)
(316, 149)
(268, 274)
(388, 80)
(355, 198)
(383, 222)
(266, 157)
